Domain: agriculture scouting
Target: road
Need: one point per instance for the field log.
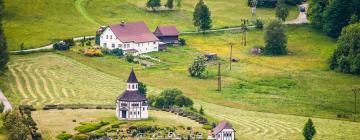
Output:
(5, 101)
(302, 18)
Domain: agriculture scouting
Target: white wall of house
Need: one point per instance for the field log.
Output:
(136, 110)
(226, 134)
(110, 41)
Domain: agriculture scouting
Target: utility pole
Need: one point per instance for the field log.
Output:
(231, 51)
(356, 91)
(219, 76)
(253, 8)
(244, 28)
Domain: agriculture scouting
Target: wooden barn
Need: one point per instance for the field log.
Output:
(167, 35)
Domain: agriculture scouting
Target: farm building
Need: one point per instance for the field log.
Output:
(131, 104)
(134, 37)
(223, 131)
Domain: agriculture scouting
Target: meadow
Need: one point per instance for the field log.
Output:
(37, 22)
(51, 125)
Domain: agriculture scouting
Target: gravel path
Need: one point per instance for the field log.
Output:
(302, 18)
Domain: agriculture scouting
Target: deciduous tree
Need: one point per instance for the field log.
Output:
(16, 125)
(153, 4)
(346, 57)
(281, 10)
(169, 4)
(142, 88)
(337, 16)
(275, 39)
(315, 12)
(198, 67)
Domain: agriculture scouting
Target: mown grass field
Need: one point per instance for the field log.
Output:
(39, 22)
(51, 125)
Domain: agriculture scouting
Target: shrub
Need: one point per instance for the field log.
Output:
(64, 136)
(91, 52)
(207, 127)
(259, 24)
(90, 126)
(81, 137)
(198, 67)
(130, 58)
(61, 46)
(183, 101)
(69, 42)
(118, 52)
(182, 42)
(88, 43)
(105, 51)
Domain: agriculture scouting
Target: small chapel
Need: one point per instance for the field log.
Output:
(131, 104)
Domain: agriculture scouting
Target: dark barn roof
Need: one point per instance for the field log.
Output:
(133, 32)
(222, 125)
(132, 77)
(132, 96)
(166, 31)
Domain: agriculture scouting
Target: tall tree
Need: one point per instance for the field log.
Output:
(153, 4)
(169, 4)
(337, 16)
(142, 88)
(196, 14)
(346, 57)
(275, 39)
(281, 10)
(315, 12)
(205, 18)
(178, 4)
(309, 130)
(4, 57)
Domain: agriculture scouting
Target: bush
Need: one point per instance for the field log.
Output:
(90, 126)
(91, 52)
(183, 101)
(81, 137)
(105, 51)
(198, 67)
(64, 136)
(130, 58)
(259, 24)
(207, 127)
(88, 43)
(118, 52)
(61, 46)
(182, 42)
(69, 42)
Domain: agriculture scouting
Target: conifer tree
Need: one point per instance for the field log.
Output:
(202, 17)
(337, 16)
(153, 4)
(309, 130)
(315, 12)
(169, 4)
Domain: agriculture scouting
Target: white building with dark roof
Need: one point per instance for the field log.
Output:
(131, 104)
(223, 131)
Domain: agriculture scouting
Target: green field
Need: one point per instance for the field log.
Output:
(51, 125)
(39, 22)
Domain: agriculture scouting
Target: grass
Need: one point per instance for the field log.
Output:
(51, 125)
(36, 22)
(45, 78)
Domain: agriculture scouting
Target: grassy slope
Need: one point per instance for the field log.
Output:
(50, 124)
(38, 22)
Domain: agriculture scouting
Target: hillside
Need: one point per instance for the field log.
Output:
(37, 22)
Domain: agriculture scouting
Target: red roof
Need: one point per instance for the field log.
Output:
(222, 125)
(166, 31)
(133, 32)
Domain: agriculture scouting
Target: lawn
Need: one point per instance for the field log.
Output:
(50, 124)
(37, 22)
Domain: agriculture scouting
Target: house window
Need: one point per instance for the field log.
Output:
(119, 45)
(105, 45)
(155, 48)
(128, 45)
(110, 36)
(130, 113)
(133, 87)
(143, 108)
(138, 112)
(113, 45)
(154, 43)
(107, 37)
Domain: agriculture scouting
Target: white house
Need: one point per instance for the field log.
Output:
(223, 131)
(134, 37)
(131, 104)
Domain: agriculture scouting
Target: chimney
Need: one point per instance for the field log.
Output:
(122, 23)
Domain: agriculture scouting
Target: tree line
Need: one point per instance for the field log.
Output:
(4, 57)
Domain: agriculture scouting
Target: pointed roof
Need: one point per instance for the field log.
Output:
(169, 30)
(132, 96)
(222, 125)
(132, 77)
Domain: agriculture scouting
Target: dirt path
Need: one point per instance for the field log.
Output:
(302, 18)
(5, 101)
(82, 11)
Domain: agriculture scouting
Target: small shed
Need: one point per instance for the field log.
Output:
(255, 51)
(211, 56)
(167, 34)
